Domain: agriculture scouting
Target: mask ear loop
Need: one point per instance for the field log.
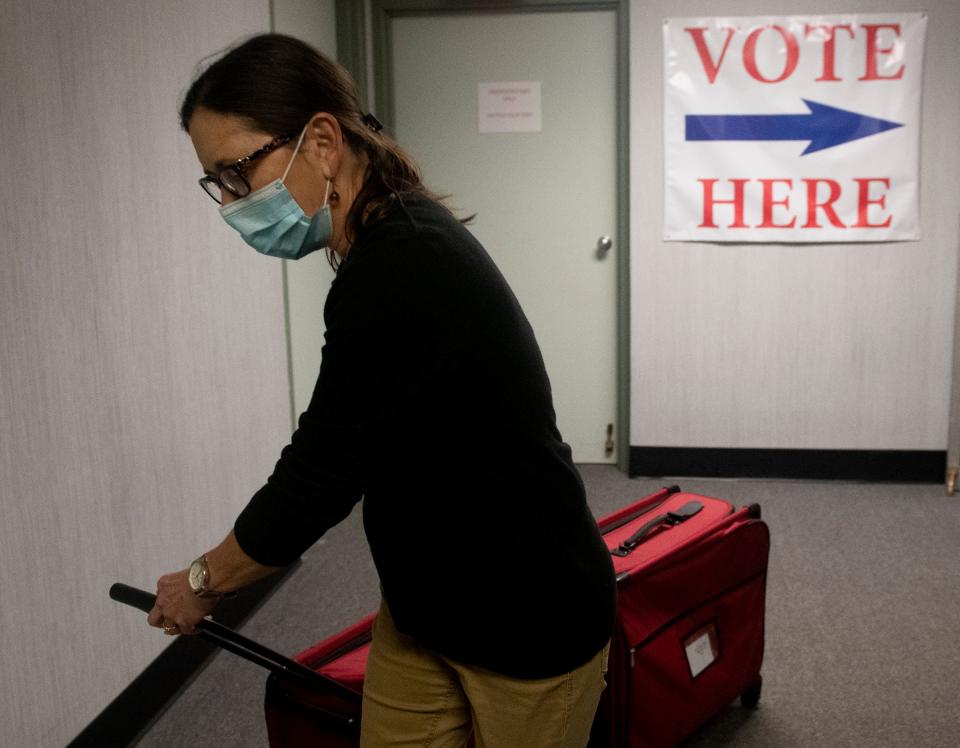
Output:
(295, 151)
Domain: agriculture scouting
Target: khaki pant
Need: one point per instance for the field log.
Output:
(414, 697)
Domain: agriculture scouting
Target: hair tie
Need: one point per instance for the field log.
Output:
(372, 122)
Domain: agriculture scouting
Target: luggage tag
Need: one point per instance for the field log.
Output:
(702, 648)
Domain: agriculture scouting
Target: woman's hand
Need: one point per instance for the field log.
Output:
(178, 609)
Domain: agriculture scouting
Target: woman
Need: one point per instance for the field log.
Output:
(432, 404)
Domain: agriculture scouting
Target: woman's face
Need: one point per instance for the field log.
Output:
(222, 139)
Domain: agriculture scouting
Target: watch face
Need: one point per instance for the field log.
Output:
(197, 576)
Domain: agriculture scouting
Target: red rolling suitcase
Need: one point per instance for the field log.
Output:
(691, 573)
(311, 701)
(691, 581)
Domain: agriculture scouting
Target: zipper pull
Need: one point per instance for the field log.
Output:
(633, 651)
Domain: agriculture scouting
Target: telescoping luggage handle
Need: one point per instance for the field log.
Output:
(242, 646)
(669, 519)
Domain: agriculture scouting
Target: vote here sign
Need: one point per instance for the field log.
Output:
(792, 129)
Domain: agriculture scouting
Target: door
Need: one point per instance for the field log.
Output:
(546, 200)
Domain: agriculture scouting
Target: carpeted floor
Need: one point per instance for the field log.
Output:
(863, 604)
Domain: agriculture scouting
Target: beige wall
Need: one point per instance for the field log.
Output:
(143, 370)
(306, 280)
(843, 346)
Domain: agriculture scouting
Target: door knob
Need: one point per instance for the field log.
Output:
(604, 245)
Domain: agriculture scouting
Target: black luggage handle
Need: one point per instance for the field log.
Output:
(240, 645)
(606, 529)
(670, 519)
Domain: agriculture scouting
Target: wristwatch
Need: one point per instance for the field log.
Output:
(199, 577)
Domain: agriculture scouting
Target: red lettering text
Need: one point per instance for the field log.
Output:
(709, 201)
(709, 67)
(881, 43)
(829, 72)
(768, 195)
(769, 203)
(750, 54)
(864, 202)
(827, 206)
(873, 74)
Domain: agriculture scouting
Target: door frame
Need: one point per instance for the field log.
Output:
(353, 31)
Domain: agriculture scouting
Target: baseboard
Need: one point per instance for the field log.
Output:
(147, 697)
(912, 466)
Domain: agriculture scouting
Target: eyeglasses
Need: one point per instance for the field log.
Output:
(232, 179)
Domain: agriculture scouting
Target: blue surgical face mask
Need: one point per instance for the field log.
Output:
(274, 224)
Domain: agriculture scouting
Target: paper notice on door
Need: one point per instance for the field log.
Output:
(702, 649)
(511, 106)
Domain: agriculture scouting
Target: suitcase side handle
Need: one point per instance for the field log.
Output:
(240, 645)
(671, 519)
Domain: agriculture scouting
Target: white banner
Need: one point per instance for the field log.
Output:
(792, 129)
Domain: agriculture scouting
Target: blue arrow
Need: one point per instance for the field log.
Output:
(825, 126)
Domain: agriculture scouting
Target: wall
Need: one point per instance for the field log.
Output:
(842, 346)
(306, 280)
(314, 21)
(143, 372)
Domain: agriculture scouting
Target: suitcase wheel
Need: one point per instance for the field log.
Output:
(751, 697)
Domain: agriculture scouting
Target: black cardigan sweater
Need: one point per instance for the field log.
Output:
(433, 405)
